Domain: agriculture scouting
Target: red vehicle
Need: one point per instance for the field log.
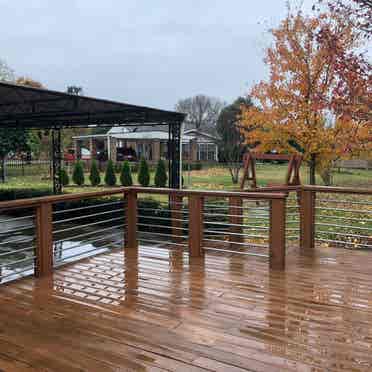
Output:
(70, 156)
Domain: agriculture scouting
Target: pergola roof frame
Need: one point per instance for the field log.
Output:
(37, 108)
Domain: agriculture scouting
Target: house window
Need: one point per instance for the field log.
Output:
(211, 151)
(140, 150)
(207, 152)
(202, 152)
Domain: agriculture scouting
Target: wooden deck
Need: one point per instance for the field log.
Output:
(153, 310)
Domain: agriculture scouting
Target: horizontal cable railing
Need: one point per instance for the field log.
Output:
(17, 243)
(62, 229)
(235, 225)
(81, 231)
(342, 217)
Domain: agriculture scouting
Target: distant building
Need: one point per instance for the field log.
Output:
(121, 144)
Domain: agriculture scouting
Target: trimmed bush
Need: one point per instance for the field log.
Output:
(143, 173)
(126, 175)
(110, 176)
(161, 174)
(65, 179)
(94, 177)
(78, 174)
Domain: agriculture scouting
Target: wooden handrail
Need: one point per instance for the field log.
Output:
(210, 193)
(34, 202)
(340, 190)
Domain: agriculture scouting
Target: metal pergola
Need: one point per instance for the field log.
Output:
(35, 108)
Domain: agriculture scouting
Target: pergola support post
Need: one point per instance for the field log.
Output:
(174, 154)
(56, 161)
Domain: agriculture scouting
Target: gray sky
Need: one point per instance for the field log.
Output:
(149, 52)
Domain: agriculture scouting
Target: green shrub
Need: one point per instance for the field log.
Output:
(65, 179)
(78, 174)
(95, 178)
(110, 176)
(161, 174)
(143, 173)
(126, 175)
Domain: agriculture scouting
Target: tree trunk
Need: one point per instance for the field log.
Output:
(312, 165)
(234, 172)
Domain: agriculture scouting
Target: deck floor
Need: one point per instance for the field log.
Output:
(153, 310)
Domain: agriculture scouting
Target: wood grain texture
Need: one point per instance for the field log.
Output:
(154, 309)
(196, 225)
(44, 240)
(277, 239)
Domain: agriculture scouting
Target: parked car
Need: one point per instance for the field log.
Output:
(125, 153)
(70, 155)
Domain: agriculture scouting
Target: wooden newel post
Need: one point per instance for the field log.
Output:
(307, 216)
(236, 219)
(277, 240)
(196, 225)
(44, 240)
(130, 239)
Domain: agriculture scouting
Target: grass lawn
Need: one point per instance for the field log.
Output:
(215, 178)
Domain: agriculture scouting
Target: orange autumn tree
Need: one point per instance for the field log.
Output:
(313, 103)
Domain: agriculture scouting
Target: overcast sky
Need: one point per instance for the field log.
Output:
(148, 52)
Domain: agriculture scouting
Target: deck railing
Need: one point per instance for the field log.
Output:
(62, 229)
(39, 234)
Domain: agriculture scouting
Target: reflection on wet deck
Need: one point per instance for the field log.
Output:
(152, 309)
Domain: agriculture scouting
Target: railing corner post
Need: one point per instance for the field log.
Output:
(131, 214)
(307, 217)
(196, 225)
(44, 239)
(277, 239)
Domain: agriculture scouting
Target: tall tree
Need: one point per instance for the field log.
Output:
(202, 111)
(231, 142)
(309, 102)
(357, 12)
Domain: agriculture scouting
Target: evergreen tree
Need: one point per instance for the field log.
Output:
(110, 176)
(126, 175)
(95, 178)
(65, 179)
(161, 174)
(78, 174)
(143, 173)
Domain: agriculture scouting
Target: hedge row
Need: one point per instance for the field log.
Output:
(110, 179)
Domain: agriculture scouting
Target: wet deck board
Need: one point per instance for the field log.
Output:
(153, 310)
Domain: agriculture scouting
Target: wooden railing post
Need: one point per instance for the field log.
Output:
(176, 216)
(44, 240)
(236, 218)
(307, 217)
(196, 222)
(277, 239)
(130, 239)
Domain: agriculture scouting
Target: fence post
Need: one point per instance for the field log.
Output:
(277, 240)
(176, 216)
(236, 218)
(307, 217)
(44, 240)
(196, 222)
(130, 239)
